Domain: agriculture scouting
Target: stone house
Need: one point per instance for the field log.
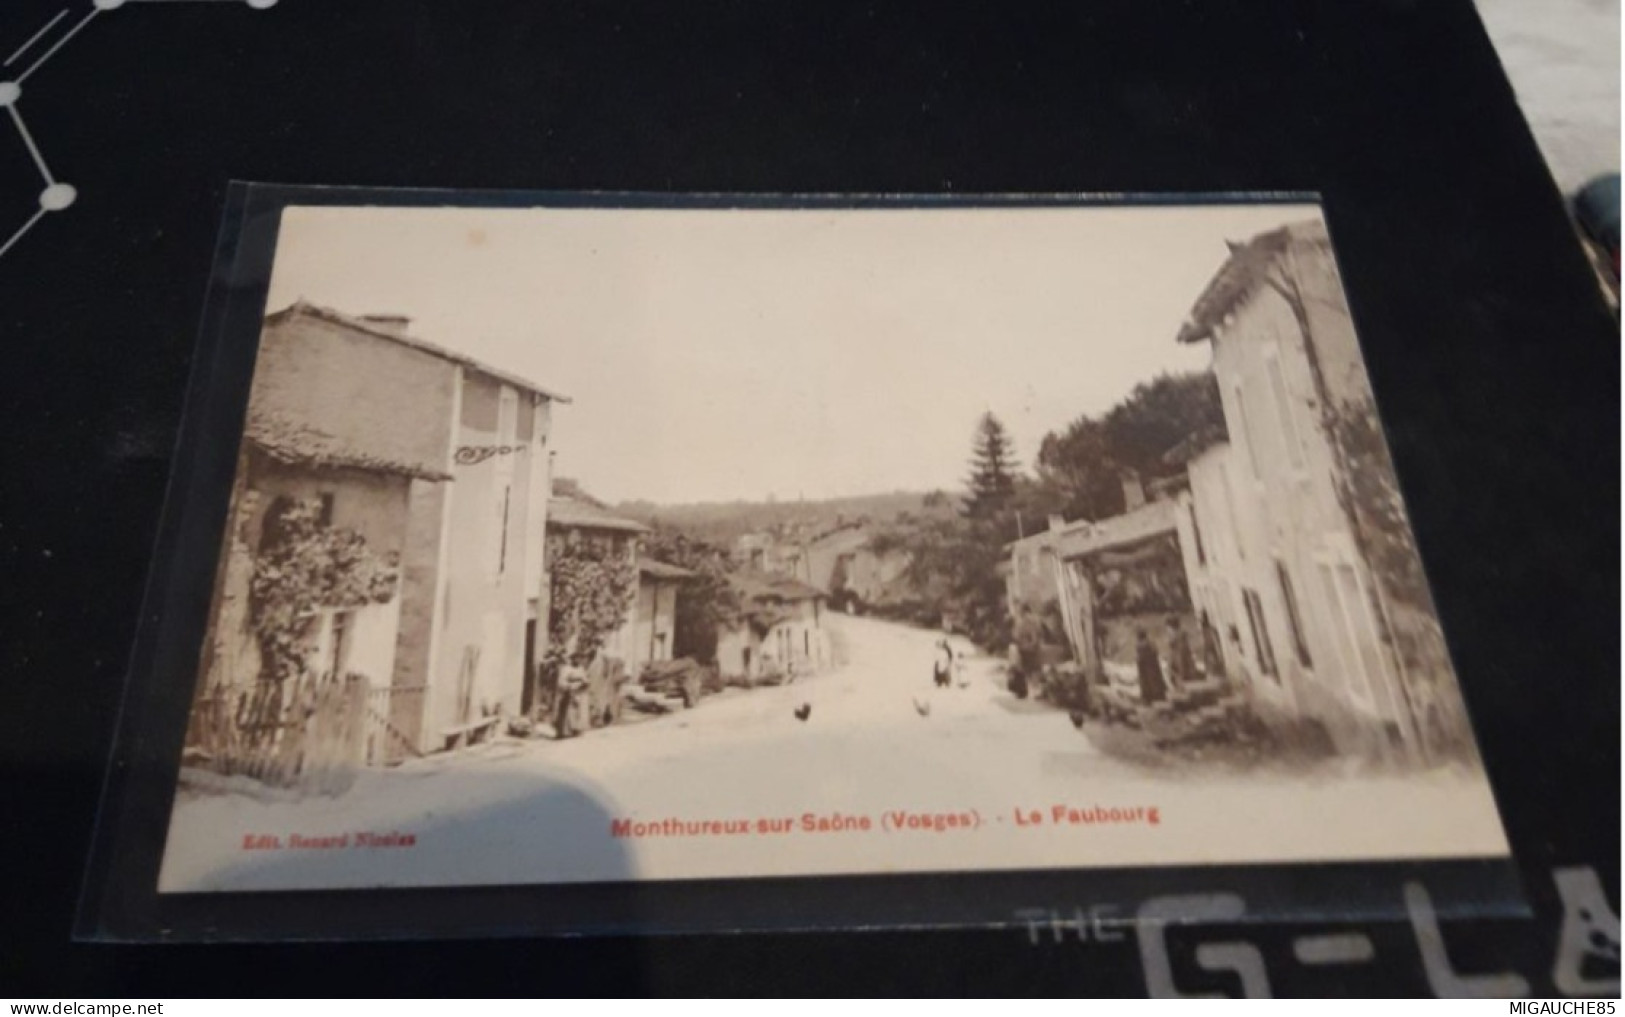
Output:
(845, 565)
(780, 628)
(651, 628)
(1121, 577)
(1305, 557)
(777, 553)
(439, 463)
(1030, 570)
(649, 631)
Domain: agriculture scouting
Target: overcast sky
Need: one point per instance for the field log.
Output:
(715, 355)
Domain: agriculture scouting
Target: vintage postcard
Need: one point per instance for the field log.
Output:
(587, 544)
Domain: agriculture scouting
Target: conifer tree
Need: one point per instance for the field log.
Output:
(992, 482)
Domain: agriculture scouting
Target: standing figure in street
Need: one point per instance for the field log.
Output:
(1181, 658)
(1152, 687)
(1212, 652)
(572, 686)
(1012, 659)
(1029, 645)
(942, 671)
(1243, 676)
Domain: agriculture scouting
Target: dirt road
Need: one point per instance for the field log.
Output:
(886, 773)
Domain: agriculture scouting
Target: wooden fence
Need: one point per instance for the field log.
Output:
(307, 733)
(394, 713)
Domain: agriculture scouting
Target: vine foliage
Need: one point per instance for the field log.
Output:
(706, 601)
(305, 565)
(593, 581)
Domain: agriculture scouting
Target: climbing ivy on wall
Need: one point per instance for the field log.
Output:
(592, 584)
(1373, 488)
(706, 600)
(304, 565)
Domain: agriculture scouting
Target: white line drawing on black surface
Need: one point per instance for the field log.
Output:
(56, 195)
(35, 37)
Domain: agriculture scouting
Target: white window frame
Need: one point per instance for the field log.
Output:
(1297, 623)
(1297, 455)
(1357, 681)
(1249, 435)
(1229, 489)
(1265, 656)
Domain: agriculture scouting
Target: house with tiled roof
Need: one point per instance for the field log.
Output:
(1304, 557)
(649, 632)
(578, 512)
(438, 464)
(844, 563)
(779, 632)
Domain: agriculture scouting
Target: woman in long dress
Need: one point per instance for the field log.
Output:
(1152, 687)
(942, 672)
(1181, 658)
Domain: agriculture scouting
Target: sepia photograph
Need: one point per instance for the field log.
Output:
(609, 544)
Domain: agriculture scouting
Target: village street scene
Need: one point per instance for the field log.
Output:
(477, 624)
